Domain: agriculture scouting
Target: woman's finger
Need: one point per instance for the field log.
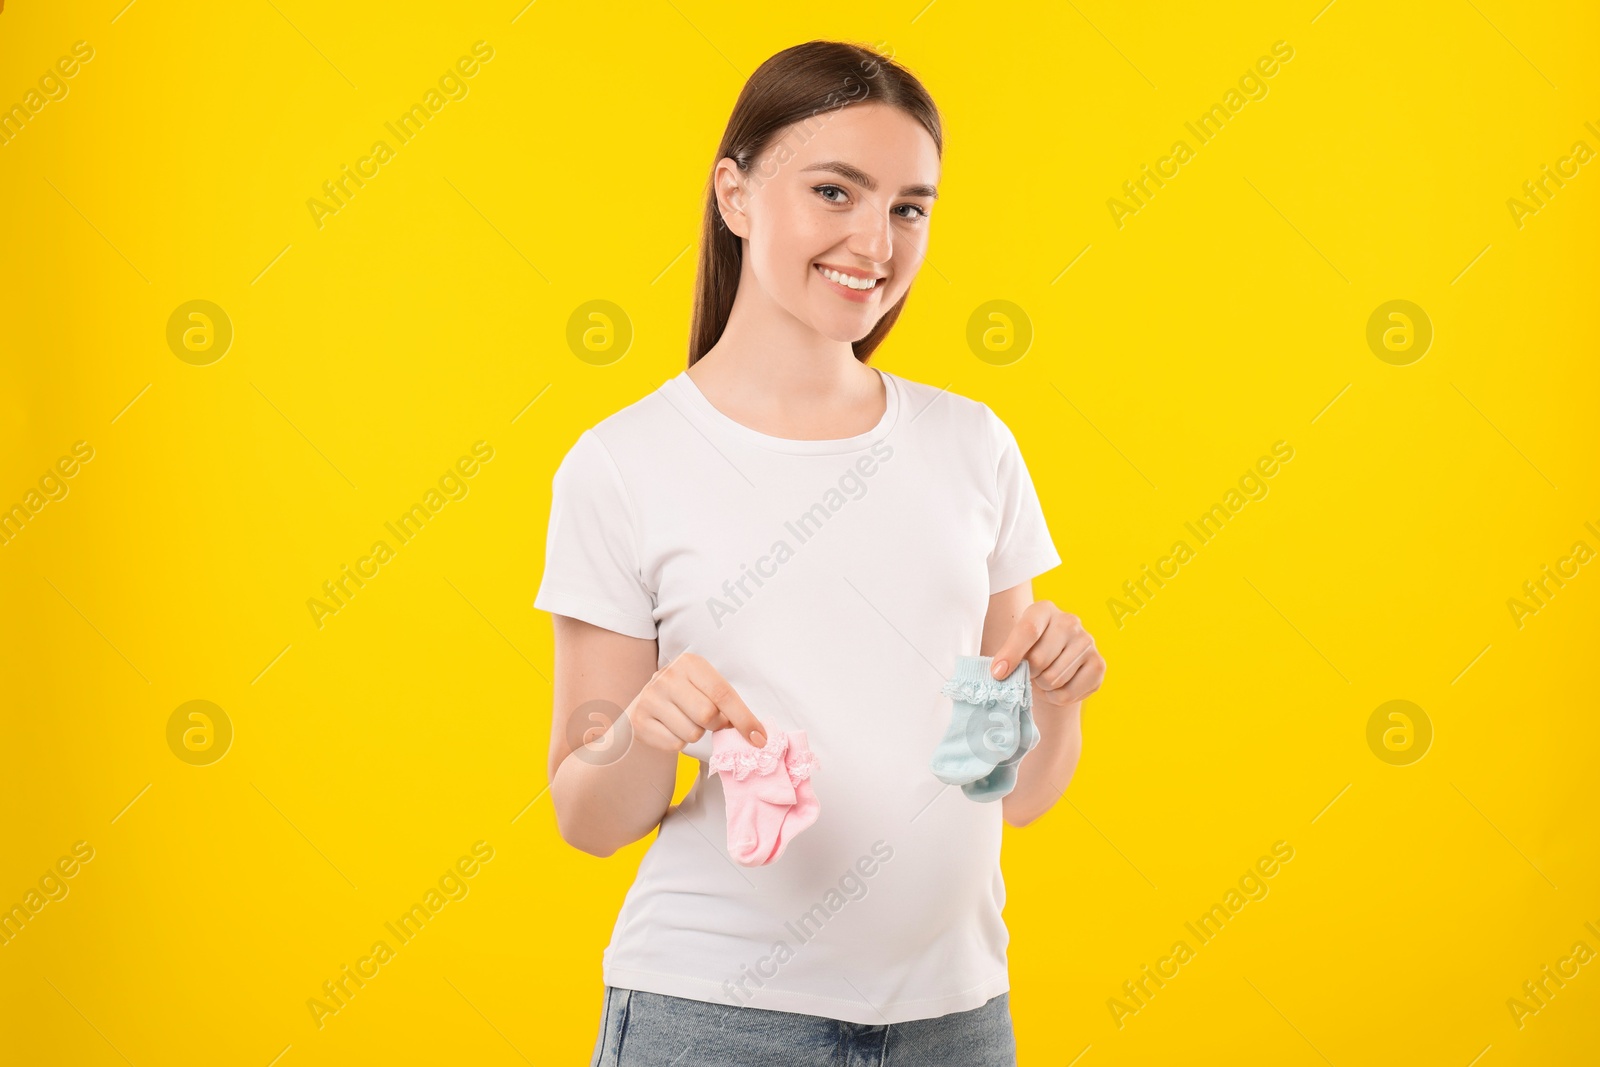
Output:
(698, 708)
(1088, 678)
(732, 707)
(1030, 625)
(1076, 644)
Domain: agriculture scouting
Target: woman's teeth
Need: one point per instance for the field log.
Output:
(846, 280)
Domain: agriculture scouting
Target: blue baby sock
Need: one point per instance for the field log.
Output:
(985, 721)
(1000, 781)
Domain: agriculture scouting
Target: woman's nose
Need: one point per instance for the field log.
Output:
(874, 238)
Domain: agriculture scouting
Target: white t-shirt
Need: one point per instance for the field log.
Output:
(833, 583)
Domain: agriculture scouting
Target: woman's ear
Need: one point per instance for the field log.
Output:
(731, 197)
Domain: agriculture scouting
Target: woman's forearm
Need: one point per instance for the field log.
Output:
(603, 804)
(1044, 773)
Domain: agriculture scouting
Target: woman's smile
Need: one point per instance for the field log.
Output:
(859, 289)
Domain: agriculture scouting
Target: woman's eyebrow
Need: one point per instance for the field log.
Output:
(867, 181)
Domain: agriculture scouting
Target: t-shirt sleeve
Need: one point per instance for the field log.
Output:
(592, 569)
(1023, 548)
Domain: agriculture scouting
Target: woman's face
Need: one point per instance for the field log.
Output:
(848, 191)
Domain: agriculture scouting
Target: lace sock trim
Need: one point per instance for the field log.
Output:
(972, 684)
(747, 760)
(801, 764)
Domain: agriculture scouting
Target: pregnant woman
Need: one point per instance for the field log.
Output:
(785, 549)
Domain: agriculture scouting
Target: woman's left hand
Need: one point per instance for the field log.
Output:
(1064, 664)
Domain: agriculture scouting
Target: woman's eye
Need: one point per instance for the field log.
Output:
(824, 190)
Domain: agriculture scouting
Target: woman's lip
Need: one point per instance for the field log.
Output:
(841, 270)
(845, 290)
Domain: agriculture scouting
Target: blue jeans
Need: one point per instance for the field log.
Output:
(640, 1029)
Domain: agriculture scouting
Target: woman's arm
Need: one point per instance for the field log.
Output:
(1043, 774)
(613, 791)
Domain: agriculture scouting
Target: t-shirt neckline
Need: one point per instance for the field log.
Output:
(697, 401)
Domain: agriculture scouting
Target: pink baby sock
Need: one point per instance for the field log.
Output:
(799, 761)
(758, 790)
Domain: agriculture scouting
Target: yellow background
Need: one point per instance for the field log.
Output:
(1229, 313)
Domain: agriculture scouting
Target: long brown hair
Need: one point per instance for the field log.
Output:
(798, 83)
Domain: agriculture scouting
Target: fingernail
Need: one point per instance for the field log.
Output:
(758, 739)
(999, 670)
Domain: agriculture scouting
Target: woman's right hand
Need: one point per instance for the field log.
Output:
(683, 700)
